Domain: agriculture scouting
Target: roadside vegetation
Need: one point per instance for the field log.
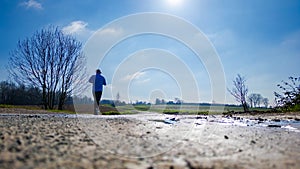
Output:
(288, 98)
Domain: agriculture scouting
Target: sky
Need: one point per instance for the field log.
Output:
(258, 39)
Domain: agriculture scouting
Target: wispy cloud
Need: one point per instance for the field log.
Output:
(144, 81)
(137, 75)
(75, 27)
(32, 4)
(111, 31)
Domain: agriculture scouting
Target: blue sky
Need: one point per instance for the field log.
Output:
(258, 39)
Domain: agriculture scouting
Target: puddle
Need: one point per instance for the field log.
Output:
(289, 125)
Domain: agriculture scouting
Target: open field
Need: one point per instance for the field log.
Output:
(167, 109)
(132, 109)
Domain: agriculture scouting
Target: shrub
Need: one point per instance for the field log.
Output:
(289, 98)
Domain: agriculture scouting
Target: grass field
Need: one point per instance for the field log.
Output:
(187, 109)
(133, 109)
(171, 109)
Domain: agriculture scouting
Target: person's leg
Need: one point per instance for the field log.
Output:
(100, 95)
(98, 98)
(95, 104)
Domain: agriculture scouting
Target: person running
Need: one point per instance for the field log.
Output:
(98, 82)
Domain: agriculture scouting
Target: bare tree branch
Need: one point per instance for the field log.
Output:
(239, 91)
(51, 61)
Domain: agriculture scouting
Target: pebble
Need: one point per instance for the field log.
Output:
(274, 125)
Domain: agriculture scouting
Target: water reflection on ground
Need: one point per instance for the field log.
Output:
(292, 125)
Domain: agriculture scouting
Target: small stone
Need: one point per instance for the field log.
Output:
(260, 119)
(226, 137)
(276, 120)
(274, 125)
(18, 141)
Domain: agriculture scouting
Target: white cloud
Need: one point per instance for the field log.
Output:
(137, 75)
(32, 4)
(75, 27)
(144, 81)
(111, 31)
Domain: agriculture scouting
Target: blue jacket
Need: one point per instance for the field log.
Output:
(98, 81)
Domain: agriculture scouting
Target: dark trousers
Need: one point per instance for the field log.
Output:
(97, 98)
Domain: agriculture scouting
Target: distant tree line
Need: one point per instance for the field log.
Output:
(13, 94)
(256, 100)
(162, 101)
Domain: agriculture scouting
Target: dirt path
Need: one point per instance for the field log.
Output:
(141, 141)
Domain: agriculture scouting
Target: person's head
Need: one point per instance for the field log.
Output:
(98, 71)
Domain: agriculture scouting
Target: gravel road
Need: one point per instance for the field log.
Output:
(30, 140)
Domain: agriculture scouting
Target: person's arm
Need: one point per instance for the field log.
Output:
(104, 81)
(92, 79)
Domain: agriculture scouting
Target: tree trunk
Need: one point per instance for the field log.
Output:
(61, 101)
(245, 106)
(45, 97)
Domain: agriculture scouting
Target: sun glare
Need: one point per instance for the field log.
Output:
(174, 2)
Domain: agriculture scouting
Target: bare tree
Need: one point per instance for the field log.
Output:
(265, 102)
(51, 61)
(255, 99)
(239, 91)
(251, 100)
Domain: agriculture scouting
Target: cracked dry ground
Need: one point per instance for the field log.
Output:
(35, 141)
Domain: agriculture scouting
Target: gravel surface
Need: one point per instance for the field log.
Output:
(141, 141)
